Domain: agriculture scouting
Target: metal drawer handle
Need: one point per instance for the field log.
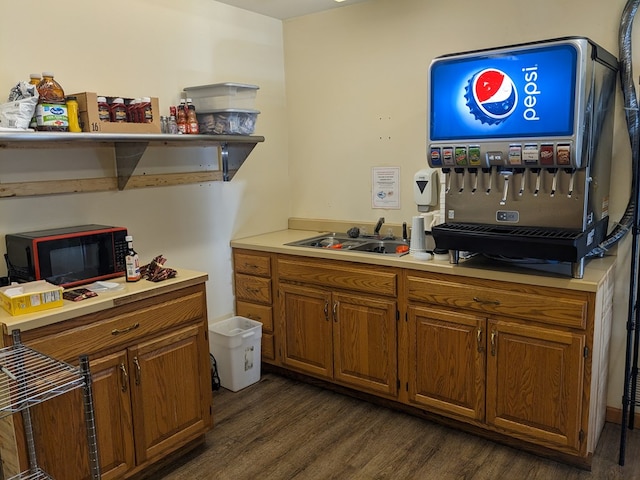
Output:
(251, 316)
(494, 334)
(117, 331)
(479, 339)
(253, 290)
(488, 302)
(124, 377)
(250, 265)
(137, 364)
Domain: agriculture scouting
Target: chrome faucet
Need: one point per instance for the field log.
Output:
(376, 231)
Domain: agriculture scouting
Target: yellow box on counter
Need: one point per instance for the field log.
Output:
(90, 121)
(30, 297)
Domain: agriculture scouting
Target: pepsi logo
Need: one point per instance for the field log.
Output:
(491, 96)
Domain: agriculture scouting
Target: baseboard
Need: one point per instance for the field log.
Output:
(614, 415)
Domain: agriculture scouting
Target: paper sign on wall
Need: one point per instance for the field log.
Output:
(385, 187)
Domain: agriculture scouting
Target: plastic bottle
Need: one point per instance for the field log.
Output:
(132, 262)
(51, 111)
(104, 112)
(181, 117)
(118, 111)
(34, 79)
(146, 111)
(132, 110)
(172, 123)
(74, 115)
(192, 119)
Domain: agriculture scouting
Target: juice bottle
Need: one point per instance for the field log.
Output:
(51, 111)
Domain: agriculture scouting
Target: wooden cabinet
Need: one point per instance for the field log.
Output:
(151, 383)
(513, 360)
(254, 297)
(477, 353)
(334, 327)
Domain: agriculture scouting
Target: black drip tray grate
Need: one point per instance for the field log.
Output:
(519, 241)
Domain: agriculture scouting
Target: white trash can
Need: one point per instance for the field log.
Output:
(235, 344)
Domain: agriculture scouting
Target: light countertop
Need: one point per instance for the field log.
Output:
(557, 276)
(129, 293)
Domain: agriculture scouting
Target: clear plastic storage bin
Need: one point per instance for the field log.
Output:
(228, 122)
(235, 344)
(218, 96)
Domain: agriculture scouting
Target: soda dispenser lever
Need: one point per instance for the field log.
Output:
(474, 171)
(537, 189)
(447, 179)
(521, 171)
(460, 178)
(506, 174)
(554, 181)
(488, 170)
(572, 172)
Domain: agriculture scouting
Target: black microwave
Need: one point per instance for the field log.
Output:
(68, 256)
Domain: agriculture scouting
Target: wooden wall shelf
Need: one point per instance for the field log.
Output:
(129, 148)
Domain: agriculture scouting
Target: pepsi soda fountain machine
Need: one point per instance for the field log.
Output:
(523, 135)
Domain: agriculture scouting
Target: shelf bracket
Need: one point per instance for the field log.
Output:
(232, 155)
(128, 154)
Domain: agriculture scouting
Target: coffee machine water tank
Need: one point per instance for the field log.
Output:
(425, 189)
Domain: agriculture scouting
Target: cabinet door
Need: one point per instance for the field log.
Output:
(112, 409)
(60, 430)
(534, 383)
(364, 338)
(447, 361)
(306, 329)
(170, 390)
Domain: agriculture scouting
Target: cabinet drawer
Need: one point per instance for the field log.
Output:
(334, 274)
(546, 305)
(95, 333)
(259, 313)
(253, 289)
(252, 264)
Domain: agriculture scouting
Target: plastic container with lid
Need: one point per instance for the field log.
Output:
(228, 122)
(219, 96)
(118, 110)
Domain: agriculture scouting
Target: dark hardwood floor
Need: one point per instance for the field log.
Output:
(281, 429)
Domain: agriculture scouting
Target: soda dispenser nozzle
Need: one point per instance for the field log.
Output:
(554, 181)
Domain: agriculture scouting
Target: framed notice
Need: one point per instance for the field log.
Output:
(385, 187)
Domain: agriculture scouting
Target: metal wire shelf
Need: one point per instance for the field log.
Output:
(28, 377)
(36, 474)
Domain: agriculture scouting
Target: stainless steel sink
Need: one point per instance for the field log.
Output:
(341, 241)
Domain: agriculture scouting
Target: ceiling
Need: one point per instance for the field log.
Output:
(284, 9)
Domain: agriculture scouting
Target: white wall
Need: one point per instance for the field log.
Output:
(357, 93)
(143, 47)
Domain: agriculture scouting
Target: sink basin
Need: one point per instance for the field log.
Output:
(339, 241)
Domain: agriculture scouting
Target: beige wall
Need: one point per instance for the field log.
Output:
(356, 98)
(144, 47)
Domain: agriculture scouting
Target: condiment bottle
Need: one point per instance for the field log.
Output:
(34, 79)
(181, 117)
(132, 111)
(132, 262)
(51, 111)
(146, 110)
(104, 112)
(74, 115)
(172, 123)
(118, 111)
(192, 119)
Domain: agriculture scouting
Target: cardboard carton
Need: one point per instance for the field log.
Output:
(90, 122)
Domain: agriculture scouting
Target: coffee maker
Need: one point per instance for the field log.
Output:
(523, 136)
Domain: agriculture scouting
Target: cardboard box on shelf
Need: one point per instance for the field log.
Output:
(90, 122)
(30, 297)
